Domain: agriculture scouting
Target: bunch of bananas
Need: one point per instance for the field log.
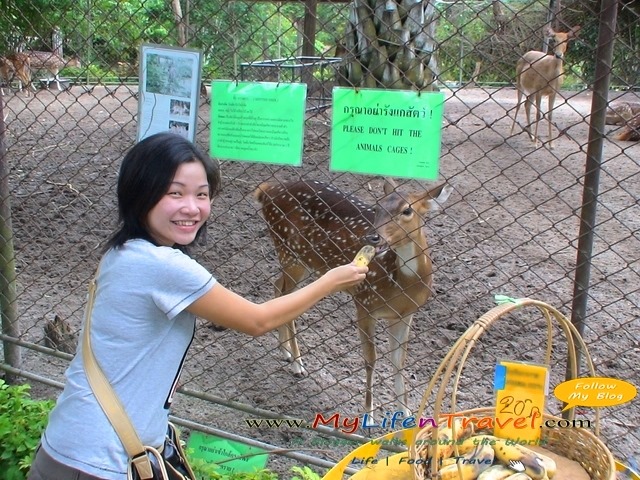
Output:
(486, 457)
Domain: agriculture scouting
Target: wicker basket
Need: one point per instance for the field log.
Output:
(577, 444)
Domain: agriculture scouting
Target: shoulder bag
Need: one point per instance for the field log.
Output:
(145, 463)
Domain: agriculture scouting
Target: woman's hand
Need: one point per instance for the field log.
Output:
(345, 276)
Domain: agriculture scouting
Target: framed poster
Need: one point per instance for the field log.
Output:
(169, 90)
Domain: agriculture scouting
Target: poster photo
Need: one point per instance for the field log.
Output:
(169, 90)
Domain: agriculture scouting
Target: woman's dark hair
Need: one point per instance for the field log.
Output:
(146, 173)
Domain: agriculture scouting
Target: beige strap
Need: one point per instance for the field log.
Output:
(108, 399)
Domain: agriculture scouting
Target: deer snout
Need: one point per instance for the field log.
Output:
(376, 240)
(373, 239)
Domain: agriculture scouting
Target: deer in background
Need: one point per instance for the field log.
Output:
(16, 65)
(631, 131)
(541, 75)
(626, 114)
(7, 71)
(619, 112)
(316, 227)
(51, 62)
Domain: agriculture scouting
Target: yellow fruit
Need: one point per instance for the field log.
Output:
(496, 472)
(447, 461)
(469, 466)
(446, 439)
(549, 464)
(465, 472)
(533, 464)
(519, 476)
(365, 255)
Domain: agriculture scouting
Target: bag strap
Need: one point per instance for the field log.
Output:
(107, 397)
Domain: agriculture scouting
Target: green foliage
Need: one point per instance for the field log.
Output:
(467, 34)
(22, 421)
(304, 473)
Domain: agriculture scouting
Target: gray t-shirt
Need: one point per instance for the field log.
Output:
(140, 334)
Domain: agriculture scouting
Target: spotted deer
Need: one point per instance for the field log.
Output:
(631, 131)
(316, 227)
(620, 112)
(51, 62)
(16, 65)
(541, 75)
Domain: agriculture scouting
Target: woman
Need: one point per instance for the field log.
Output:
(143, 320)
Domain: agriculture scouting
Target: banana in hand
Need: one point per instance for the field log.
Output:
(365, 255)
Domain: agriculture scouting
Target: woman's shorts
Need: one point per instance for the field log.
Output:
(46, 468)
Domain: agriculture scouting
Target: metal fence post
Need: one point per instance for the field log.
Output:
(604, 55)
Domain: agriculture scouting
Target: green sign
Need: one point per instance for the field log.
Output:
(386, 132)
(258, 122)
(218, 451)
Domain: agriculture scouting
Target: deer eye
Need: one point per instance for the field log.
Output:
(407, 211)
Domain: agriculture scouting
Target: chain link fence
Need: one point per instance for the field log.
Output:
(515, 224)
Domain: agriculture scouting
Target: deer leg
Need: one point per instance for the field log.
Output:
(367, 332)
(398, 341)
(515, 116)
(287, 333)
(538, 115)
(527, 111)
(552, 99)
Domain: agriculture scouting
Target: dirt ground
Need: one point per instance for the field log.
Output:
(510, 227)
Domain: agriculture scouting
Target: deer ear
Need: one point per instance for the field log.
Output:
(574, 31)
(433, 199)
(389, 185)
(549, 32)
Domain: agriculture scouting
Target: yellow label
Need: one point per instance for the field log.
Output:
(521, 390)
(594, 392)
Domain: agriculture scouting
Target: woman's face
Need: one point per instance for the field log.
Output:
(180, 213)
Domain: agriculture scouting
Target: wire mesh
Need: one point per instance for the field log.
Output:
(511, 226)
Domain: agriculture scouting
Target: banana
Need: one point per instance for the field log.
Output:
(549, 464)
(533, 464)
(446, 439)
(365, 255)
(472, 442)
(447, 461)
(496, 472)
(518, 476)
(469, 466)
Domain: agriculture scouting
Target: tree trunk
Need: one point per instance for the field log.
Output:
(180, 24)
(390, 44)
(498, 16)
